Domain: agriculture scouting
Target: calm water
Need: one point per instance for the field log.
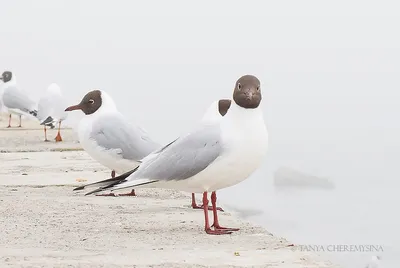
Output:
(348, 215)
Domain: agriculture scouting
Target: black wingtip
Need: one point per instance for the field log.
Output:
(108, 183)
(48, 121)
(79, 188)
(94, 191)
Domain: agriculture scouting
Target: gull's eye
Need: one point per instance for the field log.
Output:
(239, 86)
(91, 101)
(258, 88)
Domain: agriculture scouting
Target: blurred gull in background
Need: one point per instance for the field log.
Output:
(15, 100)
(51, 110)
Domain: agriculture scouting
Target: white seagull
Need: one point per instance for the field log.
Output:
(107, 136)
(51, 110)
(212, 157)
(16, 100)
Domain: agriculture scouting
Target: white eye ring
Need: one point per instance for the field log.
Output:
(91, 101)
(239, 86)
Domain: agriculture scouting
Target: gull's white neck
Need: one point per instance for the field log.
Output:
(12, 82)
(242, 114)
(242, 124)
(107, 105)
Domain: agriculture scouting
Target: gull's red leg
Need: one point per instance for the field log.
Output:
(58, 137)
(132, 193)
(207, 227)
(216, 222)
(45, 134)
(9, 121)
(195, 206)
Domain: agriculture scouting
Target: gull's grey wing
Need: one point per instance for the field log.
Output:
(113, 132)
(184, 157)
(16, 99)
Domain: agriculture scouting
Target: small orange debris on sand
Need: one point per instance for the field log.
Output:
(81, 180)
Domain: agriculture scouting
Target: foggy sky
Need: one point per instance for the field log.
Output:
(329, 72)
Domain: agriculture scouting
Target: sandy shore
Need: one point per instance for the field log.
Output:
(45, 224)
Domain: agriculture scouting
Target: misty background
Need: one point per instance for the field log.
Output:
(330, 83)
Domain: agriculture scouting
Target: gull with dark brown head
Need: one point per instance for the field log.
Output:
(15, 100)
(107, 136)
(211, 157)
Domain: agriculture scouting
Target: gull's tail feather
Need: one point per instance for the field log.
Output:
(114, 186)
(48, 122)
(131, 184)
(108, 182)
(117, 183)
(33, 112)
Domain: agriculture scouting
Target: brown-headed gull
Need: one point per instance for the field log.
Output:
(107, 136)
(15, 100)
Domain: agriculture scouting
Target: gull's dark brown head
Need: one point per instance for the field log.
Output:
(247, 93)
(90, 103)
(6, 76)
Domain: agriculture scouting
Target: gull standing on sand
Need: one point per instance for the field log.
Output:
(51, 110)
(212, 157)
(107, 136)
(15, 100)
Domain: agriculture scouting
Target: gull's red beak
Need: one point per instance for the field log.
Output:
(73, 108)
